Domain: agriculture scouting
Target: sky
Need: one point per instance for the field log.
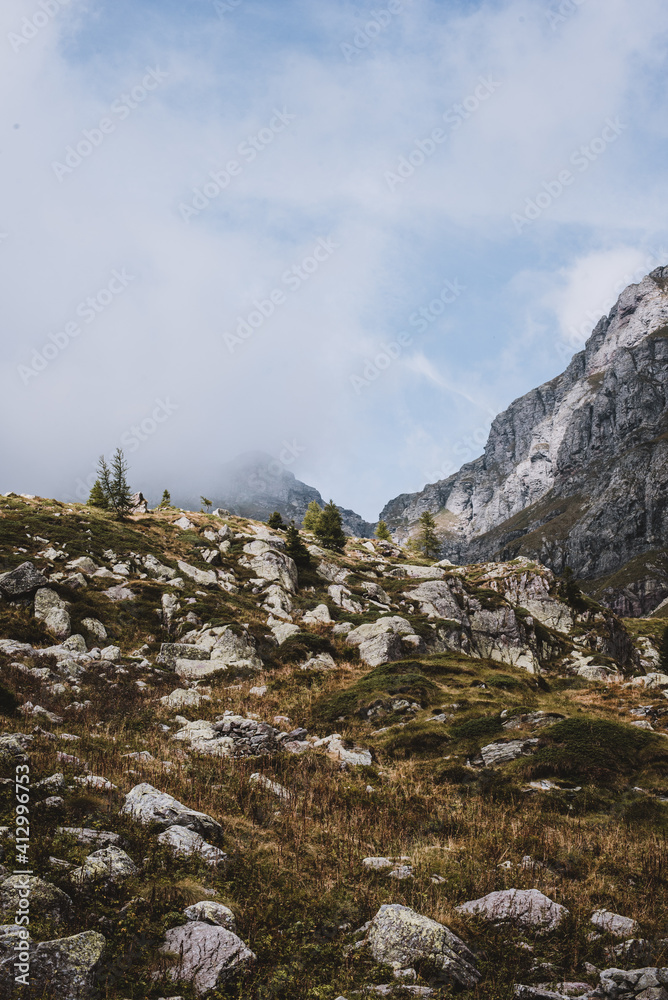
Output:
(345, 235)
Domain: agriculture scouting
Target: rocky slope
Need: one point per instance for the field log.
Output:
(255, 485)
(249, 779)
(575, 472)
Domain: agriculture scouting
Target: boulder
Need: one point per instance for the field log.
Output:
(119, 593)
(157, 569)
(620, 984)
(495, 754)
(613, 923)
(52, 611)
(343, 598)
(209, 912)
(184, 523)
(208, 955)
(186, 842)
(46, 899)
(64, 968)
(273, 566)
(202, 577)
(380, 641)
(95, 629)
(110, 864)
(277, 601)
(21, 581)
(282, 631)
(651, 680)
(87, 837)
(327, 570)
(528, 909)
(317, 616)
(592, 672)
(436, 600)
(145, 804)
(320, 662)
(84, 564)
(111, 653)
(270, 786)
(398, 936)
(184, 698)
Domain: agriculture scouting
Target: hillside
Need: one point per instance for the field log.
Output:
(574, 473)
(357, 752)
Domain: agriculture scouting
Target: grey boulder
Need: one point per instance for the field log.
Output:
(399, 937)
(145, 804)
(52, 611)
(528, 909)
(207, 955)
(111, 864)
(208, 912)
(45, 899)
(186, 843)
(21, 581)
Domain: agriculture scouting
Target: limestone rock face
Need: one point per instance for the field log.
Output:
(207, 954)
(574, 472)
(526, 908)
(399, 937)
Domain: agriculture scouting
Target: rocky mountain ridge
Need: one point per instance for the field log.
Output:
(574, 473)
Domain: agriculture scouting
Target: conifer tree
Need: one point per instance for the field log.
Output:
(276, 521)
(166, 500)
(427, 539)
(312, 516)
(295, 548)
(383, 532)
(97, 497)
(104, 479)
(329, 531)
(120, 499)
(206, 503)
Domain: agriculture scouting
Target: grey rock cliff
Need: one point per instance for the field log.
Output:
(574, 472)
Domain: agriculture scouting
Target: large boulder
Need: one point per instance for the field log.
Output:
(436, 600)
(208, 912)
(52, 611)
(21, 581)
(110, 864)
(208, 955)
(528, 909)
(202, 577)
(145, 804)
(64, 968)
(184, 842)
(46, 899)
(614, 923)
(400, 937)
(269, 564)
(13, 748)
(381, 641)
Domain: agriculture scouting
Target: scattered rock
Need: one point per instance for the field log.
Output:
(613, 923)
(110, 864)
(400, 937)
(46, 899)
(321, 662)
(270, 786)
(526, 908)
(209, 912)
(318, 616)
(52, 611)
(184, 698)
(21, 581)
(495, 754)
(186, 842)
(207, 954)
(145, 804)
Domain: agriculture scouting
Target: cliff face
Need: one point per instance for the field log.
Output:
(574, 472)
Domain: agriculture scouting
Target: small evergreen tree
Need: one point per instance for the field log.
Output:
(427, 539)
(97, 497)
(166, 500)
(329, 531)
(295, 548)
(276, 521)
(206, 503)
(571, 592)
(383, 532)
(104, 479)
(663, 652)
(312, 516)
(121, 494)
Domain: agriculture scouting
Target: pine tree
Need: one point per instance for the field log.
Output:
(206, 503)
(276, 521)
(663, 652)
(427, 539)
(166, 500)
(312, 516)
(121, 494)
(104, 479)
(383, 533)
(295, 548)
(329, 531)
(97, 497)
